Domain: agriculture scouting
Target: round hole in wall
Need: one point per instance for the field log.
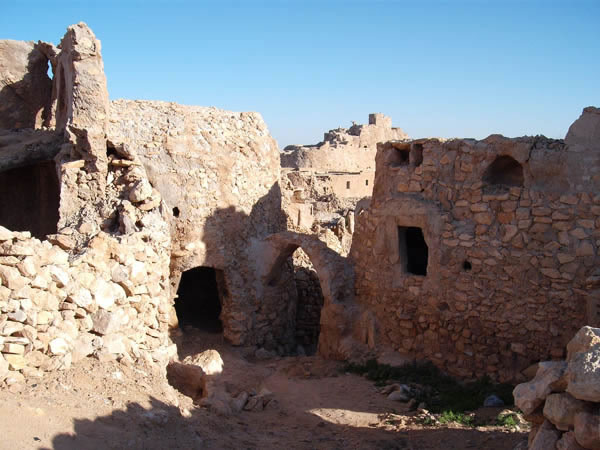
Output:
(176, 211)
(467, 266)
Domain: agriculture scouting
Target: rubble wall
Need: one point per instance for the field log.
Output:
(512, 268)
(344, 150)
(218, 172)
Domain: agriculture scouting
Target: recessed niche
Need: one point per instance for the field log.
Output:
(504, 171)
(414, 252)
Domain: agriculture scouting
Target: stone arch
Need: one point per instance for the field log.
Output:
(333, 271)
(336, 277)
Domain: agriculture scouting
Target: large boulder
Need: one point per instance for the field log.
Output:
(583, 375)
(546, 437)
(587, 430)
(560, 409)
(583, 341)
(549, 378)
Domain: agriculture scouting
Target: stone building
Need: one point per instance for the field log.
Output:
(482, 256)
(345, 160)
(121, 218)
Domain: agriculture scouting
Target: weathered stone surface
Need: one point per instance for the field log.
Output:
(584, 375)
(209, 360)
(528, 396)
(560, 409)
(58, 346)
(25, 88)
(586, 338)
(106, 293)
(3, 368)
(141, 191)
(105, 322)
(587, 430)
(585, 131)
(568, 442)
(546, 437)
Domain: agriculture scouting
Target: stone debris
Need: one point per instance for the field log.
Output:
(566, 421)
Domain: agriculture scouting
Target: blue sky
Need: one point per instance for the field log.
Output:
(439, 68)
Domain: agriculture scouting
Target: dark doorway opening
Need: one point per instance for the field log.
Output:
(309, 304)
(198, 302)
(29, 199)
(413, 249)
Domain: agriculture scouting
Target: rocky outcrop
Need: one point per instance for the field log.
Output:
(565, 394)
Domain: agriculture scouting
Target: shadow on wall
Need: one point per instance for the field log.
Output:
(228, 235)
(27, 103)
(162, 426)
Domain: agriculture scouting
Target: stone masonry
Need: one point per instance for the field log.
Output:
(482, 256)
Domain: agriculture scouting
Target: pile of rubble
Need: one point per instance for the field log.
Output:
(562, 401)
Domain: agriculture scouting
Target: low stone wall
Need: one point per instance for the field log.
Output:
(56, 306)
(562, 401)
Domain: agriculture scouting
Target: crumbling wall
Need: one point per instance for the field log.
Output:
(100, 284)
(512, 228)
(25, 87)
(218, 173)
(344, 150)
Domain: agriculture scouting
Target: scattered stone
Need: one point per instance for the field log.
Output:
(209, 360)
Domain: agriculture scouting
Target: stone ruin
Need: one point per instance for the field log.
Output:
(481, 256)
(115, 214)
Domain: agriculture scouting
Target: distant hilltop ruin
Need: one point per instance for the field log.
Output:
(344, 149)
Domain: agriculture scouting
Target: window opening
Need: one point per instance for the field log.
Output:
(413, 249)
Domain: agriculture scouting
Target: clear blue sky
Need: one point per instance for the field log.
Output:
(439, 68)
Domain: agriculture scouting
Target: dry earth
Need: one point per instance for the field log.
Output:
(115, 405)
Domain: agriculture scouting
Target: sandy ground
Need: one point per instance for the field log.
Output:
(113, 406)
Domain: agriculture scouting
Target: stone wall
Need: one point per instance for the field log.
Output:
(512, 228)
(343, 150)
(218, 173)
(147, 190)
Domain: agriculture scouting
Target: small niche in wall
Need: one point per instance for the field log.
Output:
(406, 153)
(176, 212)
(400, 154)
(414, 252)
(416, 155)
(467, 266)
(347, 185)
(366, 182)
(504, 171)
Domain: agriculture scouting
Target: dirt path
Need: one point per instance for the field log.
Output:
(112, 405)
